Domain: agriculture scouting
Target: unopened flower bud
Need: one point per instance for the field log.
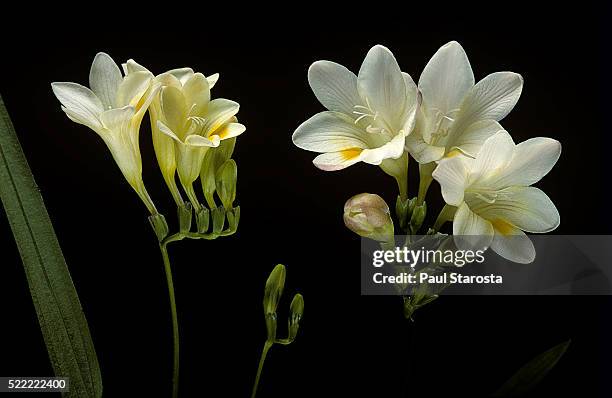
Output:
(226, 183)
(297, 311)
(368, 215)
(274, 289)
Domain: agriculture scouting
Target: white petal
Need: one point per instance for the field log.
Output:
(512, 244)
(132, 88)
(391, 150)
(492, 158)
(174, 108)
(79, 102)
(219, 112)
(197, 140)
(104, 80)
(229, 130)
(197, 94)
(114, 118)
(447, 78)
(183, 74)
(491, 98)
(337, 160)
(470, 140)
(212, 80)
(452, 175)
(468, 223)
(421, 150)
(381, 82)
(334, 86)
(329, 132)
(168, 131)
(527, 208)
(532, 160)
(132, 66)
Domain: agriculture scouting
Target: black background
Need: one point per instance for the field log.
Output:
(291, 213)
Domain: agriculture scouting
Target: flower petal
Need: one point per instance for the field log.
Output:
(452, 175)
(491, 98)
(527, 208)
(334, 161)
(168, 131)
(219, 112)
(532, 160)
(468, 223)
(132, 66)
(197, 94)
(334, 86)
(391, 150)
(132, 88)
(114, 118)
(229, 130)
(447, 78)
(492, 158)
(421, 150)
(104, 80)
(470, 140)
(329, 132)
(79, 103)
(183, 74)
(198, 140)
(381, 83)
(174, 109)
(212, 80)
(512, 244)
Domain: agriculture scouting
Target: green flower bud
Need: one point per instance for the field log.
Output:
(226, 183)
(297, 311)
(418, 216)
(203, 220)
(185, 212)
(160, 226)
(213, 159)
(274, 289)
(368, 215)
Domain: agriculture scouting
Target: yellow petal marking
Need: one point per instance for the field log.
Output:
(350, 153)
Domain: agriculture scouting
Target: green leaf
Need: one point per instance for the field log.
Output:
(57, 305)
(533, 372)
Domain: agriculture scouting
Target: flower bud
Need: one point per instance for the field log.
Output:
(368, 215)
(418, 216)
(274, 289)
(226, 183)
(297, 310)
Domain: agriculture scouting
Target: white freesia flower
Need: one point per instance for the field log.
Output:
(493, 195)
(368, 117)
(195, 123)
(113, 108)
(457, 115)
(163, 144)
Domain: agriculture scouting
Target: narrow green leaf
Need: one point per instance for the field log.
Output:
(57, 305)
(533, 372)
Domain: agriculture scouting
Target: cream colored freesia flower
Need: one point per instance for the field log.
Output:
(493, 195)
(195, 123)
(113, 108)
(457, 115)
(163, 144)
(368, 117)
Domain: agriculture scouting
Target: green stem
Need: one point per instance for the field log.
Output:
(446, 214)
(175, 326)
(262, 359)
(425, 180)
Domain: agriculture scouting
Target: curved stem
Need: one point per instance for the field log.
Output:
(262, 359)
(175, 326)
